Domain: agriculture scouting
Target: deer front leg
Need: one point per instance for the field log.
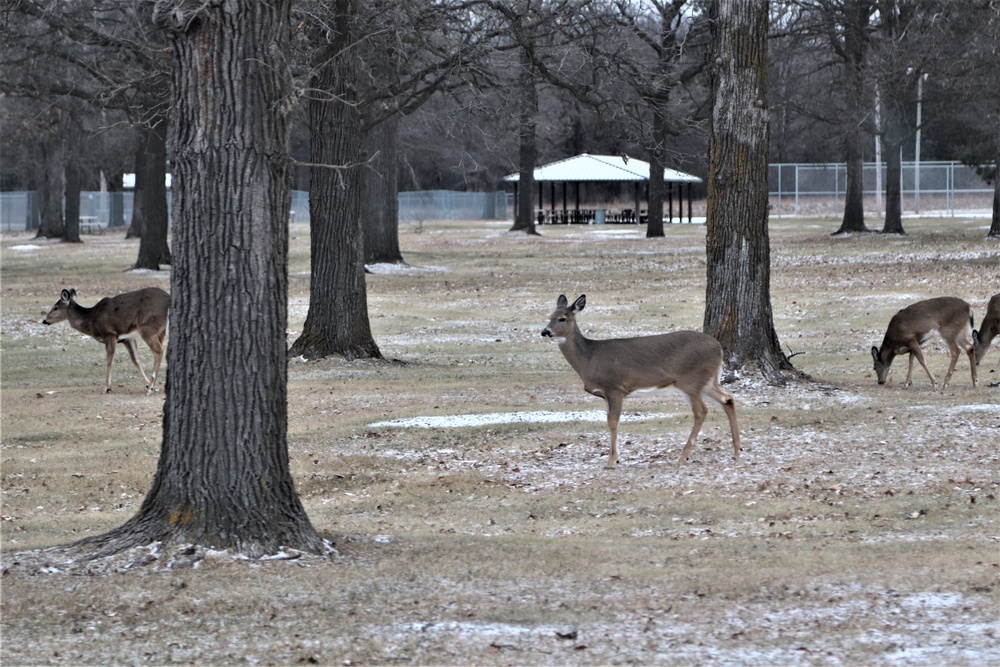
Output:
(109, 347)
(700, 411)
(614, 415)
(915, 351)
(971, 351)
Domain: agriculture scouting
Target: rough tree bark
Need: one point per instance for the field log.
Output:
(337, 322)
(738, 300)
(223, 479)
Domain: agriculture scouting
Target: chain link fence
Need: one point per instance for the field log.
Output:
(928, 188)
(100, 211)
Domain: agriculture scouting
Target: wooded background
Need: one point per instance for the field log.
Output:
(456, 88)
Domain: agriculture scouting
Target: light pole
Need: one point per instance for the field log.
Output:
(916, 151)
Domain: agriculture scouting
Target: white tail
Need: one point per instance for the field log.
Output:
(948, 316)
(988, 330)
(689, 361)
(119, 319)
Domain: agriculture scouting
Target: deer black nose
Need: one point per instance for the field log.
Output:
(546, 332)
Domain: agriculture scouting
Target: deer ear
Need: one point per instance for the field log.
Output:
(67, 295)
(975, 337)
(875, 353)
(561, 301)
(580, 302)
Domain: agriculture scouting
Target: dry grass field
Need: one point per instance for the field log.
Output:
(461, 481)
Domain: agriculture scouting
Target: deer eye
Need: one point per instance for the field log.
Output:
(562, 319)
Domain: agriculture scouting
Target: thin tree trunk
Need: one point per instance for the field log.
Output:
(337, 322)
(223, 479)
(995, 224)
(738, 299)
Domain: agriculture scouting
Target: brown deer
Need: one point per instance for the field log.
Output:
(688, 361)
(988, 330)
(119, 319)
(948, 316)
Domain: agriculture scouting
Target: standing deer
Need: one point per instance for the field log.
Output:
(988, 330)
(688, 361)
(948, 316)
(119, 319)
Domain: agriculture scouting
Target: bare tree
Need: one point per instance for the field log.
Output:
(738, 299)
(223, 479)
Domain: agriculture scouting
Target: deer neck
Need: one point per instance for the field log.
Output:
(577, 348)
(81, 318)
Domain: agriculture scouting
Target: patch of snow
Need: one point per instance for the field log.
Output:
(487, 419)
(385, 267)
(25, 248)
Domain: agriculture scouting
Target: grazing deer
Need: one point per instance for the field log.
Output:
(119, 319)
(948, 316)
(988, 330)
(688, 361)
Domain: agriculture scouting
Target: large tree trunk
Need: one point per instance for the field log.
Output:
(51, 188)
(72, 183)
(854, 203)
(738, 300)
(893, 193)
(153, 249)
(654, 226)
(137, 223)
(223, 479)
(337, 322)
(381, 194)
(524, 219)
(855, 51)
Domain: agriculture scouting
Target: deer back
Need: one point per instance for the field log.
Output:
(949, 316)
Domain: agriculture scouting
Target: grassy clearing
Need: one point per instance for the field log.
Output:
(860, 526)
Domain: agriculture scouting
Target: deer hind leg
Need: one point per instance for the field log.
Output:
(915, 351)
(614, 415)
(729, 405)
(133, 352)
(155, 343)
(700, 411)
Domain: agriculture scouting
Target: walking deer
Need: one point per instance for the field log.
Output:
(948, 316)
(119, 319)
(988, 330)
(688, 361)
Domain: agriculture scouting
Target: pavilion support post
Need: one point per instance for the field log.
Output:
(670, 203)
(689, 203)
